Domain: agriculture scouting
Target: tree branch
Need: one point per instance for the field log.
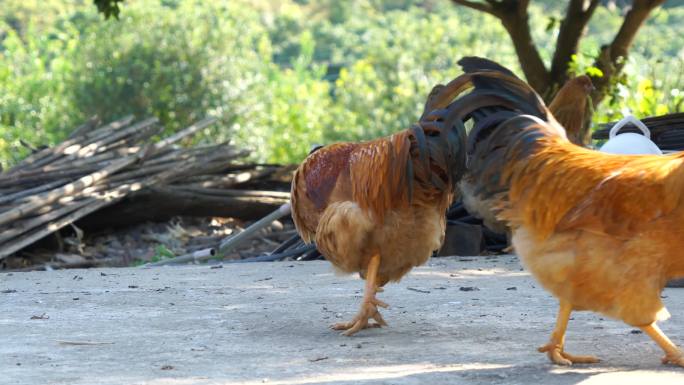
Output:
(515, 18)
(612, 57)
(571, 30)
(483, 7)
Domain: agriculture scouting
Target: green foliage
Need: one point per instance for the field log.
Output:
(161, 252)
(657, 92)
(164, 64)
(34, 77)
(280, 75)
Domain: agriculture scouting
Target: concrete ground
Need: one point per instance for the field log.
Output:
(455, 321)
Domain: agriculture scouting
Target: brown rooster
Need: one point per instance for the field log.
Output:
(599, 231)
(569, 107)
(378, 207)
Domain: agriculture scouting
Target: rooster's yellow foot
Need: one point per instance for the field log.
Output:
(675, 359)
(559, 357)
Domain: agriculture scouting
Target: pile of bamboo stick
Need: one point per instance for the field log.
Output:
(99, 166)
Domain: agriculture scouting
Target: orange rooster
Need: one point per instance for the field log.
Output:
(599, 231)
(378, 207)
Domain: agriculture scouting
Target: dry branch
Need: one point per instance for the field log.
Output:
(162, 202)
(49, 154)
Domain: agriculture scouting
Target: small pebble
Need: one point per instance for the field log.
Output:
(468, 288)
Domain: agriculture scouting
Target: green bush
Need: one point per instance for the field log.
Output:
(176, 60)
(34, 77)
(280, 75)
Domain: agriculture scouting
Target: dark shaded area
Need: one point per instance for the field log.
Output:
(465, 235)
(108, 8)
(161, 204)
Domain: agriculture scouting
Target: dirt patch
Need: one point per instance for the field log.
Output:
(148, 242)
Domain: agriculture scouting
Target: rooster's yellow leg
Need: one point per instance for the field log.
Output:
(554, 349)
(369, 306)
(672, 354)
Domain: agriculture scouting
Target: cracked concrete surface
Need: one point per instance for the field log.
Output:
(475, 320)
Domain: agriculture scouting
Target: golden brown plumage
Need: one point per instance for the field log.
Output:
(569, 107)
(599, 231)
(378, 207)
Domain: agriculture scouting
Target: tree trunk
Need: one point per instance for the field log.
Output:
(531, 62)
(514, 17)
(571, 30)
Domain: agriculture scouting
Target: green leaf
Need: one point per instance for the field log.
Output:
(594, 72)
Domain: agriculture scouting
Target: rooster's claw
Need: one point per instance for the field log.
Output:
(368, 310)
(674, 359)
(559, 357)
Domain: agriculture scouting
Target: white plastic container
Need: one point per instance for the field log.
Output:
(630, 143)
